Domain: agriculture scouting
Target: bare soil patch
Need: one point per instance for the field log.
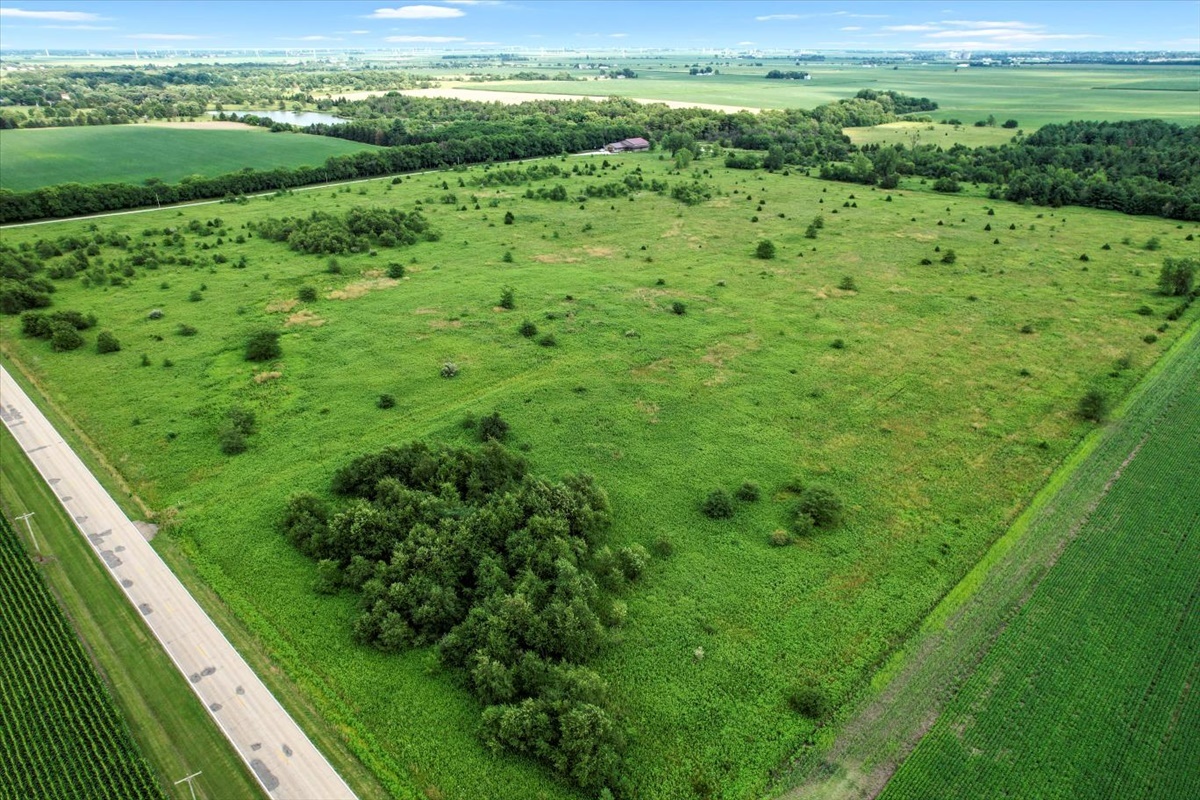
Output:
(357, 289)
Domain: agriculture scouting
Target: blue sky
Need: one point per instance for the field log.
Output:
(609, 24)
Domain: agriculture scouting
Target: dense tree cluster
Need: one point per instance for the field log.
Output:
(1137, 167)
(789, 75)
(503, 572)
(354, 232)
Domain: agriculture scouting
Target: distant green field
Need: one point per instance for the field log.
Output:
(1090, 692)
(133, 153)
(945, 136)
(1033, 95)
(934, 398)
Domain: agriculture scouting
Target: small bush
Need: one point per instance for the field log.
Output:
(548, 340)
(717, 505)
(155, 314)
(809, 702)
(449, 369)
(195, 296)
(949, 257)
(385, 401)
(106, 342)
(1145, 311)
(333, 267)
(186, 330)
(232, 441)
(491, 426)
(765, 250)
(528, 329)
(1153, 243)
(509, 219)
(507, 258)
(307, 294)
(678, 308)
(848, 285)
(821, 505)
(748, 492)
(263, 346)
(780, 538)
(838, 344)
(395, 270)
(1093, 406)
(64, 337)
(1026, 328)
(1150, 338)
(508, 298)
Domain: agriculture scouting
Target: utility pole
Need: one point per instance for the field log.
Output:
(189, 783)
(29, 525)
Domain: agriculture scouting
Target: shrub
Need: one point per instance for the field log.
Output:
(748, 492)
(848, 285)
(765, 250)
(1027, 328)
(508, 298)
(678, 308)
(717, 505)
(528, 329)
(395, 270)
(509, 219)
(1093, 406)
(948, 185)
(155, 314)
(507, 258)
(491, 426)
(1153, 243)
(186, 330)
(548, 340)
(821, 505)
(1178, 276)
(810, 702)
(949, 257)
(195, 296)
(307, 294)
(333, 267)
(1150, 338)
(780, 538)
(385, 401)
(449, 369)
(263, 346)
(106, 342)
(64, 336)
(1144, 311)
(232, 441)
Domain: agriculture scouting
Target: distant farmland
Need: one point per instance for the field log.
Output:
(33, 158)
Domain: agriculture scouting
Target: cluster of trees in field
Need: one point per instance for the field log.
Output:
(68, 96)
(1137, 167)
(504, 573)
(356, 231)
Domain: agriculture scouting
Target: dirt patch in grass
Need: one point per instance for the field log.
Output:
(649, 409)
(552, 258)
(599, 252)
(358, 289)
(443, 324)
(282, 306)
(720, 354)
(305, 317)
(263, 377)
(659, 370)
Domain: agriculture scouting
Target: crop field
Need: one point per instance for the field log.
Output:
(1090, 691)
(39, 157)
(61, 736)
(1033, 95)
(933, 398)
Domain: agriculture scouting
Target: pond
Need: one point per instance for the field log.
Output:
(301, 118)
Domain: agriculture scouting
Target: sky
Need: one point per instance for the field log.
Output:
(444, 25)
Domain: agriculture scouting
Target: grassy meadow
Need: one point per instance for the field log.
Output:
(933, 398)
(1033, 95)
(36, 157)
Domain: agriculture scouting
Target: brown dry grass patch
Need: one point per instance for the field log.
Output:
(357, 289)
(304, 317)
(263, 377)
(551, 258)
(282, 306)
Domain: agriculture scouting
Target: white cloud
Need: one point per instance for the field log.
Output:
(851, 28)
(164, 37)
(57, 16)
(908, 28)
(78, 27)
(310, 38)
(982, 24)
(473, 3)
(617, 35)
(416, 12)
(743, 44)
(770, 17)
(1004, 35)
(425, 39)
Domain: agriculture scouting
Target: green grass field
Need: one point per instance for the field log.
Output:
(945, 136)
(168, 723)
(936, 422)
(1090, 691)
(1033, 95)
(39, 157)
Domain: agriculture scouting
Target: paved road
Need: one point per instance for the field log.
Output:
(282, 758)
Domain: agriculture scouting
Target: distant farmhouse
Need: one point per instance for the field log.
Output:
(636, 143)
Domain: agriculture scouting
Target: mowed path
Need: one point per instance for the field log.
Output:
(280, 755)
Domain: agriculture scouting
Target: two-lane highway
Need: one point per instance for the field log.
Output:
(282, 757)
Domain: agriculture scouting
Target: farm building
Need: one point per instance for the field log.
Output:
(636, 143)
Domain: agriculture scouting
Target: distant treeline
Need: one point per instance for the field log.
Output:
(1136, 167)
